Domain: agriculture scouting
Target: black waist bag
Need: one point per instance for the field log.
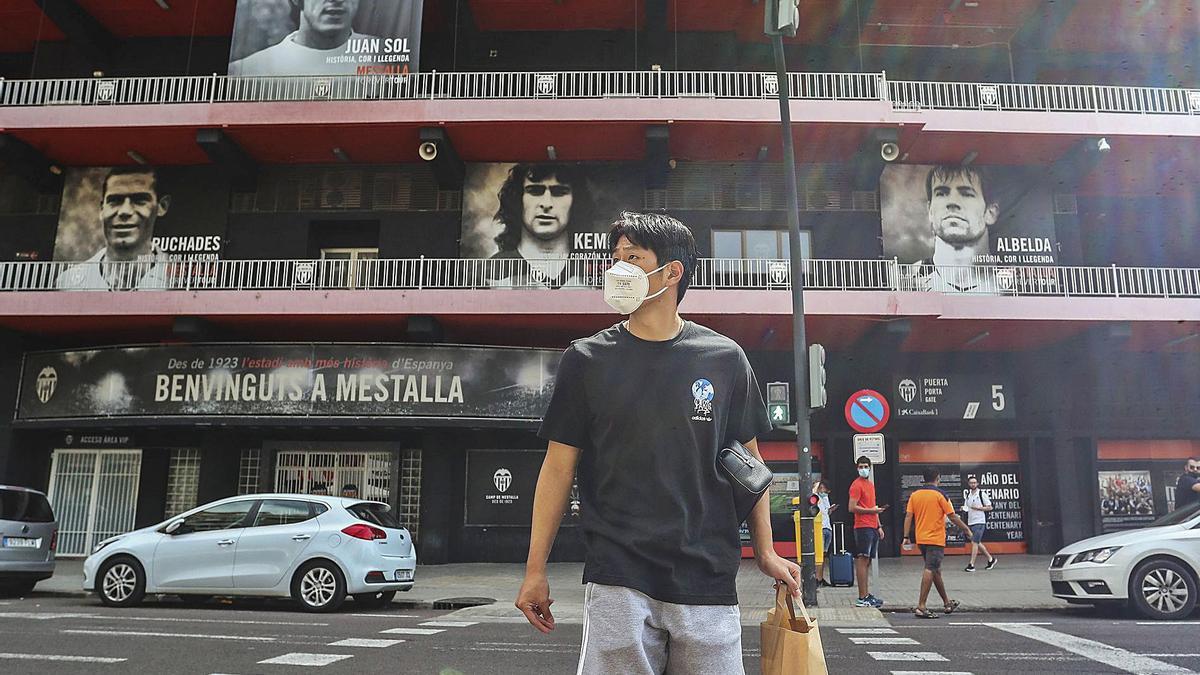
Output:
(748, 477)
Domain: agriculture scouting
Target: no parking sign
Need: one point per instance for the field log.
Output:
(867, 411)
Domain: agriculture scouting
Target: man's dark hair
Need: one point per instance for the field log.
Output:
(948, 172)
(969, 477)
(134, 170)
(512, 194)
(350, 486)
(930, 475)
(862, 459)
(669, 239)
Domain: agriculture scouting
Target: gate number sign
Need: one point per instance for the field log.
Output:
(867, 411)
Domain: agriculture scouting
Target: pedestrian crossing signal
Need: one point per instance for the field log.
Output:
(779, 407)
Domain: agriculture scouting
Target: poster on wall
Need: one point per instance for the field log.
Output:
(162, 219)
(996, 467)
(1126, 499)
(954, 395)
(969, 229)
(298, 379)
(501, 486)
(325, 37)
(531, 218)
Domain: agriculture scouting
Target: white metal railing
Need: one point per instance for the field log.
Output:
(587, 273)
(901, 94)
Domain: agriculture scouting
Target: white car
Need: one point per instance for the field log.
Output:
(1156, 569)
(313, 549)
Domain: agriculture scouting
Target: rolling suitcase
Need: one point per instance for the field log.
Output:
(841, 563)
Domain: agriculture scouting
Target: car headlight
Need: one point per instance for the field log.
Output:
(1097, 555)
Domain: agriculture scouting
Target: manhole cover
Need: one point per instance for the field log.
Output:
(462, 603)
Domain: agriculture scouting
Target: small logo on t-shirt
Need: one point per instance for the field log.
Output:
(703, 393)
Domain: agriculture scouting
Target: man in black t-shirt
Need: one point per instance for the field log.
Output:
(641, 410)
(1187, 490)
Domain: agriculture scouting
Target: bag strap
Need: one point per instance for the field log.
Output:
(784, 606)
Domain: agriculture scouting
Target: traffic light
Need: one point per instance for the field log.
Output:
(814, 505)
(782, 17)
(817, 397)
(779, 407)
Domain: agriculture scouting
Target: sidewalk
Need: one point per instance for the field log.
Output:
(486, 591)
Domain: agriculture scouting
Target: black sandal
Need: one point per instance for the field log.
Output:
(924, 614)
(954, 604)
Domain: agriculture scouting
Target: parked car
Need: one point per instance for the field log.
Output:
(1155, 569)
(316, 550)
(28, 536)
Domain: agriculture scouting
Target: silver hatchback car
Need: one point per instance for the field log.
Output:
(315, 549)
(28, 535)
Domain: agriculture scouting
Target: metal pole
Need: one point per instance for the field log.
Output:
(808, 576)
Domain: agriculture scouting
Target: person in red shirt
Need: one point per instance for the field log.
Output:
(929, 507)
(867, 531)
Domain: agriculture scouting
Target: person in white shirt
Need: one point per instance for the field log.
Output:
(325, 44)
(976, 504)
(822, 491)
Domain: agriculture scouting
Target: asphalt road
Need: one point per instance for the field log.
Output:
(44, 634)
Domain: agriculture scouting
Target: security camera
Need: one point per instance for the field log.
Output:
(889, 151)
(428, 151)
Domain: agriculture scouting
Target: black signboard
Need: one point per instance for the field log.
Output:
(953, 396)
(378, 380)
(501, 485)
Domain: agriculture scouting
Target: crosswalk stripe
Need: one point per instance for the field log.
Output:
(385, 615)
(907, 656)
(866, 631)
(59, 657)
(1099, 652)
(301, 659)
(138, 633)
(364, 642)
(932, 672)
(450, 624)
(413, 631)
(871, 640)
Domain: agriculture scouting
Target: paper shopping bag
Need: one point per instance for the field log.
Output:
(791, 645)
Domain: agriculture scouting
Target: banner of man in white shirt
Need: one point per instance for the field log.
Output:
(325, 37)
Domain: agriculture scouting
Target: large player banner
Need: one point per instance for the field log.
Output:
(325, 37)
(950, 224)
(533, 216)
(381, 380)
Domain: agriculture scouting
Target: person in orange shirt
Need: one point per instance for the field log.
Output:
(929, 507)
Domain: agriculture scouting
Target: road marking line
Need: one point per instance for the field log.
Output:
(384, 615)
(932, 672)
(866, 631)
(43, 616)
(884, 641)
(1164, 624)
(413, 631)
(984, 623)
(185, 620)
(59, 657)
(450, 624)
(1099, 652)
(301, 659)
(364, 642)
(907, 656)
(136, 633)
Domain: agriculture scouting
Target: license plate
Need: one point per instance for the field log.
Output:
(21, 542)
(404, 575)
(1056, 575)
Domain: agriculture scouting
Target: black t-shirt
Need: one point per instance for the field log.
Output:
(650, 417)
(1184, 494)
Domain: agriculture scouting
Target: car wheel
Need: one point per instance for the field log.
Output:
(1162, 590)
(374, 600)
(319, 586)
(121, 582)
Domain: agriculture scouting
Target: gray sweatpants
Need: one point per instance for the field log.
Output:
(626, 631)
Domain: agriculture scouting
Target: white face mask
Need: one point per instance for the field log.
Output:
(865, 473)
(626, 286)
